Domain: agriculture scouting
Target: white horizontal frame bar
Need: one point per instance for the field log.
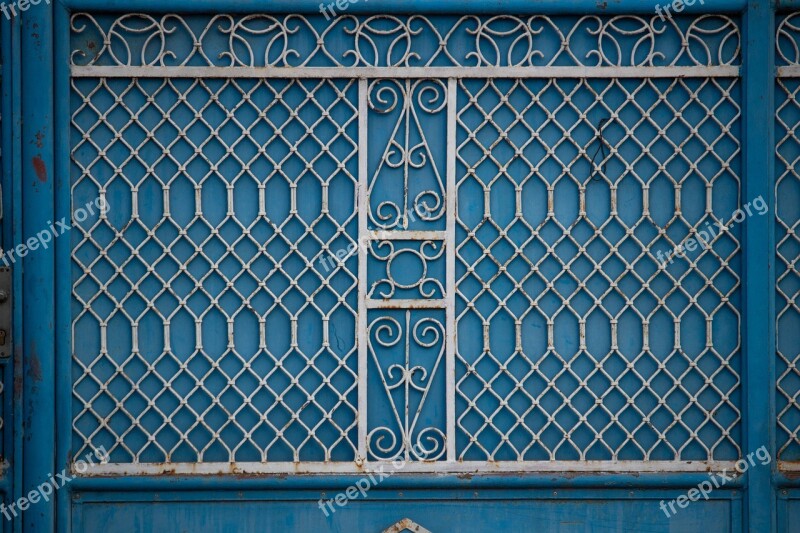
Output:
(78, 71)
(406, 304)
(789, 72)
(788, 466)
(438, 467)
(388, 235)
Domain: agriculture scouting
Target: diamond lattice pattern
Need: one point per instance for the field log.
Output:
(787, 224)
(205, 327)
(576, 341)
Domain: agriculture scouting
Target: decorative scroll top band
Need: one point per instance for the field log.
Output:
(787, 41)
(136, 40)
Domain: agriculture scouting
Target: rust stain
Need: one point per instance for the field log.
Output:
(35, 367)
(18, 382)
(789, 473)
(243, 476)
(39, 138)
(41, 170)
(91, 45)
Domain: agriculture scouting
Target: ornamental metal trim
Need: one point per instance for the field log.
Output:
(293, 41)
(121, 99)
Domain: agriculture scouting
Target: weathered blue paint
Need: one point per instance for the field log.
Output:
(471, 511)
(12, 229)
(9, 35)
(109, 502)
(6, 151)
(37, 176)
(532, 481)
(62, 259)
(758, 324)
(521, 7)
(788, 510)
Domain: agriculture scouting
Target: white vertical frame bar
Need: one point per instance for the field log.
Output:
(450, 258)
(363, 243)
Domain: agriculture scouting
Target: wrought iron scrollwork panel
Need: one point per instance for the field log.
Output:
(404, 226)
(139, 39)
(406, 415)
(407, 128)
(406, 270)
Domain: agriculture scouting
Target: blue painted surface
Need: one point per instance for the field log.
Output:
(465, 511)
(38, 340)
(522, 7)
(788, 511)
(759, 305)
(12, 228)
(117, 509)
(9, 137)
(63, 382)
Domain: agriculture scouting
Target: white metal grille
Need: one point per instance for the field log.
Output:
(558, 259)
(211, 235)
(451, 259)
(787, 222)
(142, 40)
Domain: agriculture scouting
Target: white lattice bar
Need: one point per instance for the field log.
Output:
(406, 304)
(437, 467)
(450, 245)
(399, 235)
(363, 234)
(405, 72)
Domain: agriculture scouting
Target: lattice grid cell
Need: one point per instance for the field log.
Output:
(787, 242)
(206, 328)
(787, 218)
(575, 341)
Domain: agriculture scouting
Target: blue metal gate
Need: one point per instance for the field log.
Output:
(390, 268)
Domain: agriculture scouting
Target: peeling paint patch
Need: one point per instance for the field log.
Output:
(35, 366)
(18, 381)
(39, 167)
